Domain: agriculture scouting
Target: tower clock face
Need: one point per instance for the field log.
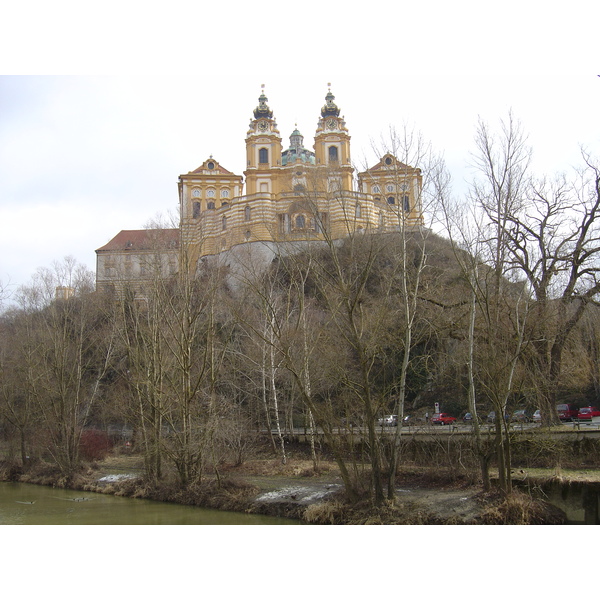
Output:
(263, 126)
(332, 124)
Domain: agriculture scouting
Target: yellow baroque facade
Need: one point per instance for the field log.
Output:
(286, 196)
(295, 194)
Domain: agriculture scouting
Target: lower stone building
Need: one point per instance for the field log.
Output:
(135, 257)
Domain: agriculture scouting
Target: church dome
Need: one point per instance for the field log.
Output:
(297, 151)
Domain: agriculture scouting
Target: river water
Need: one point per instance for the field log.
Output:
(27, 504)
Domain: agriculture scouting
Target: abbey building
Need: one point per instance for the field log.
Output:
(285, 196)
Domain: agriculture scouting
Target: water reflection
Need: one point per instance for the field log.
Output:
(27, 504)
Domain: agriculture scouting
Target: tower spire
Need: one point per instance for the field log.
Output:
(262, 111)
(330, 109)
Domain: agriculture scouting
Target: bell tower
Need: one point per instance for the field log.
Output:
(332, 145)
(263, 150)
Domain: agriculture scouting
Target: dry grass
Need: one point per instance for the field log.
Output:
(519, 509)
(364, 513)
(270, 467)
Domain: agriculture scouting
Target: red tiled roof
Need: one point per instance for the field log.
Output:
(142, 239)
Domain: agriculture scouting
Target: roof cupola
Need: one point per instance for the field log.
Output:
(262, 111)
(330, 109)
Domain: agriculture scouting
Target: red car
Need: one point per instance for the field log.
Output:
(442, 419)
(588, 413)
(566, 412)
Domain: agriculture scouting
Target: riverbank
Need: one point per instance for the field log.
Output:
(296, 491)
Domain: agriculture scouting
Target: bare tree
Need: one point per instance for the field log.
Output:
(425, 182)
(17, 381)
(142, 371)
(499, 308)
(174, 336)
(4, 294)
(68, 352)
(554, 243)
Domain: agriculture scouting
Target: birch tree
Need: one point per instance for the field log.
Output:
(411, 248)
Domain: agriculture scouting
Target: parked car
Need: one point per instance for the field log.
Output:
(567, 412)
(537, 416)
(468, 418)
(388, 421)
(442, 419)
(491, 418)
(521, 416)
(587, 413)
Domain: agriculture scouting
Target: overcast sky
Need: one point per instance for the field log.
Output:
(100, 112)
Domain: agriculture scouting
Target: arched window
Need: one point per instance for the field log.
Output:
(300, 222)
(406, 204)
(391, 200)
(247, 213)
(357, 211)
(210, 205)
(333, 154)
(263, 156)
(196, 210)
(224, 223)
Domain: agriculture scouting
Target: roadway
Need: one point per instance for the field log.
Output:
(568, 429)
